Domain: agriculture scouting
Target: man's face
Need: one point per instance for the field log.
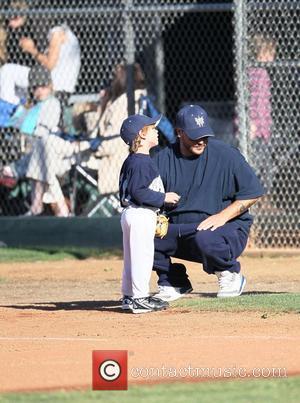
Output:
(189, 147)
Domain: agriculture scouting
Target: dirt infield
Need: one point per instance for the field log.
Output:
(54, 314)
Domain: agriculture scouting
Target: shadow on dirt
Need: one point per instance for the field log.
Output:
(112, 306)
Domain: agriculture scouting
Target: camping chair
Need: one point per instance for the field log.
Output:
(84, 173)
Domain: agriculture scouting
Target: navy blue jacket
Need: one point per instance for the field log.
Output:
(140, 183)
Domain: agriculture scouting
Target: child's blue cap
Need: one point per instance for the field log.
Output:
(133, 124)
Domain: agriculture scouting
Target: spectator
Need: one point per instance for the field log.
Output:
(110, 115)
(260, 108)
(61, 58)
(44, 164)
(20, 25)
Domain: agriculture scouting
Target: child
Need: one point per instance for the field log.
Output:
(142, 194)
(264, 51)
(260, 108)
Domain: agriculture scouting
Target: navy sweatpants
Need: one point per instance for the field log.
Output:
(217, 250)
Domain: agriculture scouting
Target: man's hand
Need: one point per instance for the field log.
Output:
(235, 209)
(213, 222)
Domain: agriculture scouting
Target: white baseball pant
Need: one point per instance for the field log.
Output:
(138, 226)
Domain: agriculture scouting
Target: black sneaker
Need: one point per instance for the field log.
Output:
(148, 304)
(127, 303)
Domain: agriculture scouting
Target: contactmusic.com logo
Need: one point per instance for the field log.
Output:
(110, 370)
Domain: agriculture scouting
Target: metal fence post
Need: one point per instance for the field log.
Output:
(129, 54)
(160, 68)
(240, 56)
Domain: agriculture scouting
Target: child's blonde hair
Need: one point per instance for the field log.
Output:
(137, 141)
(135, 144)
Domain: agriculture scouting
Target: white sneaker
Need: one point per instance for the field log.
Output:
(168, 293)
(148, 304)
(230, 284)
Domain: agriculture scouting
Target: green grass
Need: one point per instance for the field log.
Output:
(51, 254)
(276, 303)
(258, 391)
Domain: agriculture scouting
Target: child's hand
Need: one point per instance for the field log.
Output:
(172, 198)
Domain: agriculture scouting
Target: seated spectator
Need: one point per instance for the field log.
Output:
(50, 154)
(112, 111)
(61, 58)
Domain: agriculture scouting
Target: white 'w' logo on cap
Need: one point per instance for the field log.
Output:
(199, 121)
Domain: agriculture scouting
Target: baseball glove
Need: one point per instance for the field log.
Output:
(162, 224)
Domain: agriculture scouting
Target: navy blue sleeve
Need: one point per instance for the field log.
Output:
(138, 182)
(247, 185)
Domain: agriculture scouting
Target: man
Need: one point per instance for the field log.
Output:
(211, 222)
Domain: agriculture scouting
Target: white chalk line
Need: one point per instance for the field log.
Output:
(97, 339)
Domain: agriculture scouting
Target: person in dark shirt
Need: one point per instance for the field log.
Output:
(142, 195)
(58, 51)
(16, 27)
(19, 26)
(211, 222)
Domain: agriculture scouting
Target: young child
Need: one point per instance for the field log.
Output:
(260, 108)
(141, 194)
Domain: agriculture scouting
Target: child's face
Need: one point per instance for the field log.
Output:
(42, 93)
(267, 54)
(151, 135)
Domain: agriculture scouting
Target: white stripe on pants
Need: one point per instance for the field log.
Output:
(138, 226)
(13, 82)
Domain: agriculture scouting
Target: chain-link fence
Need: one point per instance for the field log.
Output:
(268, 68)
(171, 52)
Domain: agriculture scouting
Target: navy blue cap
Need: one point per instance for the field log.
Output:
(193, 120)
(133, 124)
